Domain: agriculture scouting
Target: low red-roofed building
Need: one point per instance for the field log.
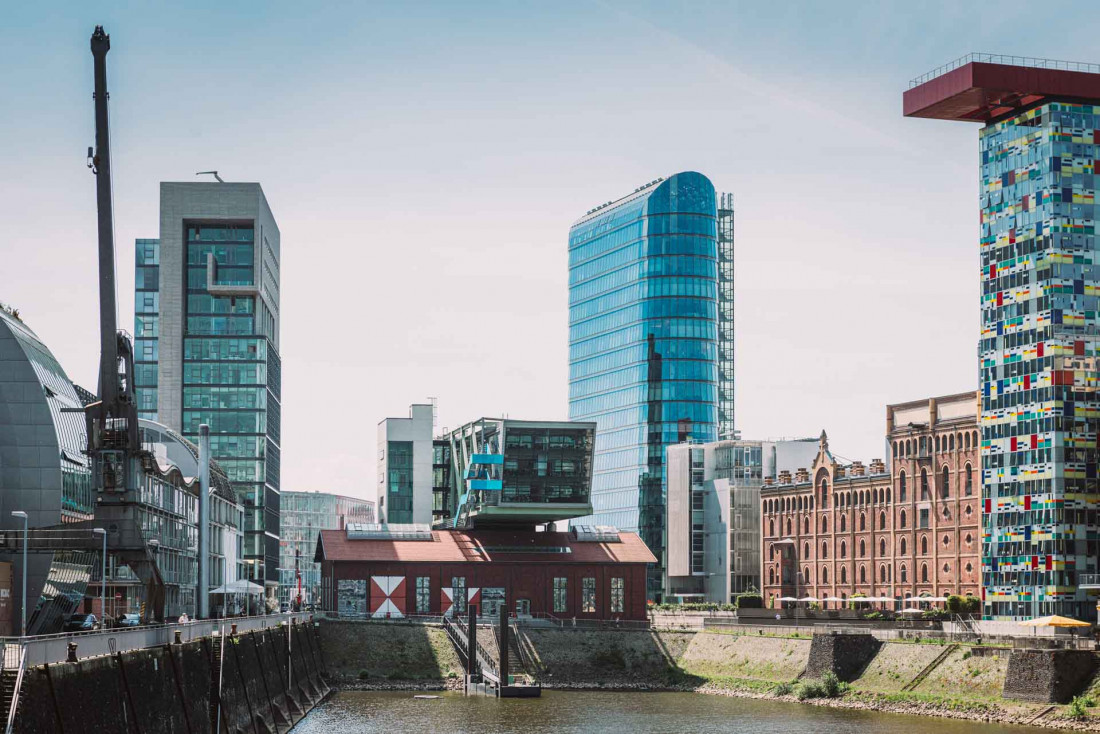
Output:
(395, 571)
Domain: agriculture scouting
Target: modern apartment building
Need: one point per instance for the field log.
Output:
(207, 343)
(304, 516)
(713, 519)
(1039, 154)
(648, 360)
(833, 529)
(405, 467)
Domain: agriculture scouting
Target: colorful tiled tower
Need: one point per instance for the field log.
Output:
(1040, 276)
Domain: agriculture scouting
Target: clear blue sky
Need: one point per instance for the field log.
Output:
(425, 160)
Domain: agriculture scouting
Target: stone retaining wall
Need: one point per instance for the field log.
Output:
(845, 655)
(1048, 676)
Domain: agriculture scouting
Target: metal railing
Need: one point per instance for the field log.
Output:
(13, 705)
(1028, 61)
(1088, 580)
(544, 619)
(54, 648)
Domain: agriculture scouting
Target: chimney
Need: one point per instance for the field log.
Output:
(768, 481)
(838, 472)
(857, 468)
(803, 474)
(878, 466)
(784, 477)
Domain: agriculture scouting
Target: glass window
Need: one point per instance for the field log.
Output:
(561, 594)
(423, 595)
(617, 594)
(588, 595)
(458, 591)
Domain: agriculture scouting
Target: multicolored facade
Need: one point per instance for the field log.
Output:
(1040, 280)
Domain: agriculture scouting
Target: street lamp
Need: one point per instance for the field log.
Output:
(103, 581)
(20, 513)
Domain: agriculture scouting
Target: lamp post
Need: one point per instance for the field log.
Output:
(154, 546)
(103, 581)
(20, 513)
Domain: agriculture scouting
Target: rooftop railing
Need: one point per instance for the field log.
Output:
(1028, 61)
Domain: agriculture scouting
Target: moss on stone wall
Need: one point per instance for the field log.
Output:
(388, 651)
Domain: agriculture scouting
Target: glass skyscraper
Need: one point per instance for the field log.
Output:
(1040, 299)
(644, 305)
(206, 318)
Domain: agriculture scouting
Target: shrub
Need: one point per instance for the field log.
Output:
(1078, 707)
(810, 689)
(955, 604)
(828, 687)
(854, 599)
(972, 604)
(874, 616)
(783, 689)
(364, 674)
(749, 600)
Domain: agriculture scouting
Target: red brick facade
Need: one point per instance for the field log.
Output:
(911, 529)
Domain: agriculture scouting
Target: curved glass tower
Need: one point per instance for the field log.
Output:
(644, 343)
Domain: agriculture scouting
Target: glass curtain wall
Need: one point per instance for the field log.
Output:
(146, 325)
(643, 343)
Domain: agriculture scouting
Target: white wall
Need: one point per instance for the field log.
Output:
(417, 428)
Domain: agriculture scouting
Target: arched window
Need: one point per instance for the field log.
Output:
(862, 522)
(904, 546)
(862, 574)
(924, 573)
(882, 521)
(924, 495)
(843, 575)
(771, 575)
(771, 527)
(806, 578)
(904, 574)
(824, 574)
(924, 545)
(945, 490)
(901, 487)
(824, 523)
(969, 475)
(862, 548)
(824, 549)
(843, 524)
(903, 525)
(843, 549)
(966, 440)
(895, 448)
(937, 444)
(975, 440)
(882, 574)
(882, 546)
(951, 442)
(824, 493)
(806, 551)
(806, 526)
(788, 526)
(908, 447)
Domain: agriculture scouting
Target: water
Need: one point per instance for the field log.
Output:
(602, 712)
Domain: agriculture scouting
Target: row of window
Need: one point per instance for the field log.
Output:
(883, 577)
(904, 547)
(914, 447)
(923, 522)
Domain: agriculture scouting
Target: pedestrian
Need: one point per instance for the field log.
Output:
(184, 619)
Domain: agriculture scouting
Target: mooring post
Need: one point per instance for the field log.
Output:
(503, 645)
(471, 643)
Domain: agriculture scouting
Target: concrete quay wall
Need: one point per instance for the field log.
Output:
(268, 680)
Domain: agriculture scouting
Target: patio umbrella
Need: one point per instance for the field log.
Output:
(912, 610)
(787, 598)
(810, 599)
(1054, 621)
(833, 598)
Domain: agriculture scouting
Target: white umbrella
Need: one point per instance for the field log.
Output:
(912, 610)
(810, 599)
(787, 598)
(833, 598)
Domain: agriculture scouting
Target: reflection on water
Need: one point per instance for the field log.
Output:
(604, 712)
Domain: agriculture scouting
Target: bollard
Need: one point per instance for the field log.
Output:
(179, 637)
(72, 653)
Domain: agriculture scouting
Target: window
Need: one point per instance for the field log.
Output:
(806, 551)
(824, 549)
(862, 522)
(882, 574)
(843, 523)
(824, 574)
(617, 594)
(904, 575)
(862, 574)
(588, 595)
(924, 494)
(924, 518)
(788, 526)
(882, 521)
(882, 546)
(924, 572)
(904, 546)
(843, 575)
(458, 589)
(903, 519)
(423, 595)
(901, 487)
(862, 549)
(561, 594)
(924, 545)
(843, 549)
(969, 490)
(771, 575)
(806, 526)
(771, 527)
(824, 524)
(945, 490)
(824, 493)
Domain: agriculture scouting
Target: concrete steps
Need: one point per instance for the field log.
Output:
(911, 685)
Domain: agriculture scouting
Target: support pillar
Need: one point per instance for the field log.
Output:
(503, 645)
(203, 610)
(471, 643)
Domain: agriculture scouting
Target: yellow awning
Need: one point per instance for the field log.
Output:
(1054, 621)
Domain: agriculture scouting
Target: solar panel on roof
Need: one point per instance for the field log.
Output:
(391, 531)
(596, 534)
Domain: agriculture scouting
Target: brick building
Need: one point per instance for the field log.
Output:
(912, 528)
(400, 570)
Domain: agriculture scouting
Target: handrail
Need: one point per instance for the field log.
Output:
(1028, 61)
(16, 689)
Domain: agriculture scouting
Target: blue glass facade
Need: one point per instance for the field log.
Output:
(644, 343)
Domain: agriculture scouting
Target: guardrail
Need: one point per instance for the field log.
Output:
(1028, 61)
(43, 649)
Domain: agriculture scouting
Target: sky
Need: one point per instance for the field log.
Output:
(425, 160)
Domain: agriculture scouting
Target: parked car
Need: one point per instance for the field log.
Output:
(129, 620)
(81, 623)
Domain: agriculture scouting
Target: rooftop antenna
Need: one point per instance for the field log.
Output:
(210, 173)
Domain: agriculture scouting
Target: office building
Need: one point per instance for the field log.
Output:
(713, 519)
(650, 341)
(207, 343)
(834, 530)
(1039, 153)
(516, 473)
(304, 516)
(405, 467)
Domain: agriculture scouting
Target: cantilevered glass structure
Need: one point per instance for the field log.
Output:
(1039, 155)
(519, 473)
(644, 304)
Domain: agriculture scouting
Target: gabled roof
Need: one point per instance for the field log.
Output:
(484, 546)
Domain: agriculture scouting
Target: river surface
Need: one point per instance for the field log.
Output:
(603, 712)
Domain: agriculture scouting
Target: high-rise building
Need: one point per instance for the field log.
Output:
(207, 342)
(1040, 415)
(713, 519)
(304, 516)
(646, 349)
(405, 467)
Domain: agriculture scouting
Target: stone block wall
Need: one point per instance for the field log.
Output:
(1048, 676)
(842, 654)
